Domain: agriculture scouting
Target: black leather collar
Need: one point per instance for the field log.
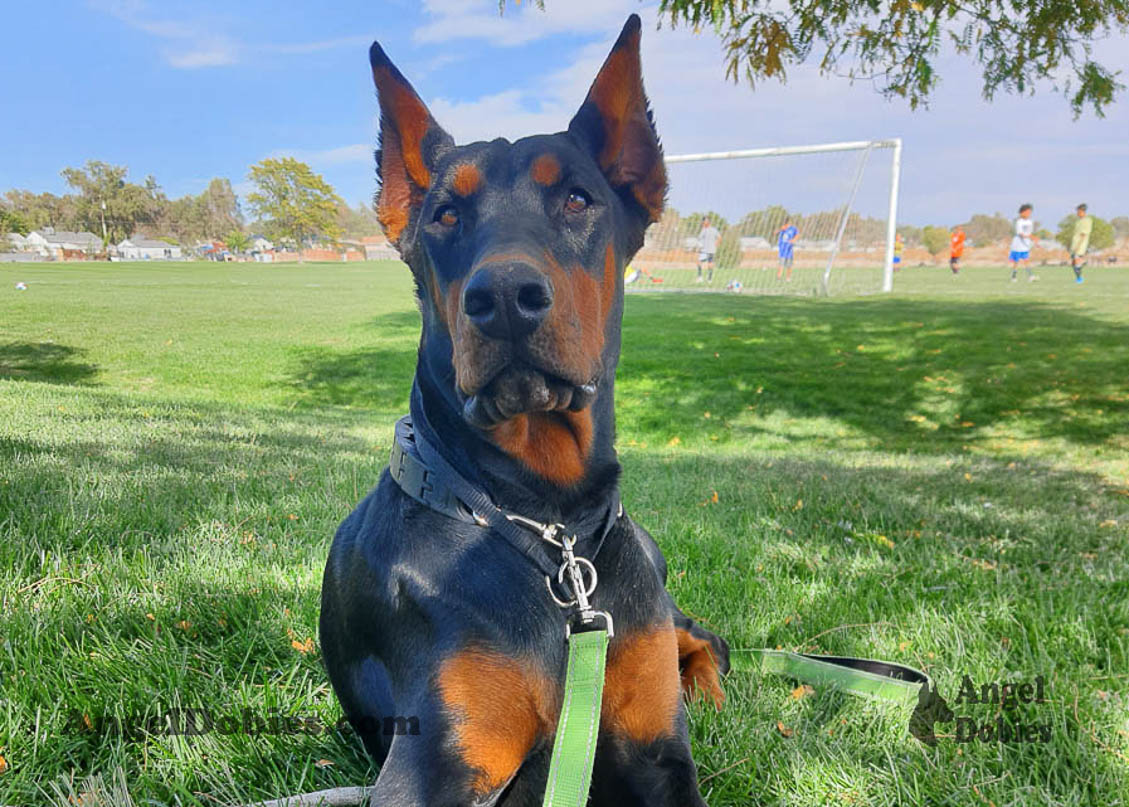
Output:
(424, 475)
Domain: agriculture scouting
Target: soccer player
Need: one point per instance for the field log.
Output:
(786, 246)
(707, 248)
(1080, 242)
(1021, 243)
(956, 248)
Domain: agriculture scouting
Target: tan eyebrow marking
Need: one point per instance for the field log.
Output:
(468, 179)
(545, 170)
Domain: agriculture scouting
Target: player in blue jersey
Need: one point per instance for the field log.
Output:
(786, 245)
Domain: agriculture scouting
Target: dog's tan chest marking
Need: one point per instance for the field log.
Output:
(500, 707)
(642, 689)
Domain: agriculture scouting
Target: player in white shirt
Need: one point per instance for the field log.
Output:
(1022, 242)
(707, 248)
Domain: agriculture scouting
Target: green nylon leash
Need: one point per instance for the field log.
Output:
(574, 749)
(867, 678)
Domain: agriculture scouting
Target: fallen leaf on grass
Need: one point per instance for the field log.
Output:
(673, 441)
(1109, 522)
(305, 647)
(324, 763)
(3, 764)
(801, 692)
(784, 730)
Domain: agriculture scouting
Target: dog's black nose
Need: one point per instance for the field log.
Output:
(507, 300)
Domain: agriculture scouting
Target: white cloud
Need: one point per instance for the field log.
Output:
(451, 20)
(187, 44)
(196, 43)
(339, 155)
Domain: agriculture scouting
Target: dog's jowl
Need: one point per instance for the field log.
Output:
(431, 613)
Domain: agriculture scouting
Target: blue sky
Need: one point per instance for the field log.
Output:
(191, 90)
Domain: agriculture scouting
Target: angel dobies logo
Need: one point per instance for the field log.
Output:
(1004, 724)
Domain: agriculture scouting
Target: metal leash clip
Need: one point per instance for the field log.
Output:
(574, 567)
(582, 589)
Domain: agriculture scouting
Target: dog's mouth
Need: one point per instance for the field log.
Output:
(521, 389)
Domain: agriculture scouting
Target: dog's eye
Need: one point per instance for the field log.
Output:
(577, 201)
(447, 216)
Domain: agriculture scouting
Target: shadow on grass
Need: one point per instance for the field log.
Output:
(913, 375)
(44, 361)
(377, 377)
(908, 375)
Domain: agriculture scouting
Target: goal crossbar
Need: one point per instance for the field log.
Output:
(895, 144)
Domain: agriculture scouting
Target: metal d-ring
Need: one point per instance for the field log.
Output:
(580, 563)
(589, 587)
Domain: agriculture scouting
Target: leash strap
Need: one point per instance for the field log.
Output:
(574, 749)
(867, 678)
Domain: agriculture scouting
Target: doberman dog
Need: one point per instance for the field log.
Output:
(442, 643)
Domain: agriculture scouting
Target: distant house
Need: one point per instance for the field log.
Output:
(56, 243)
(17, 242)
(260, 243)
(148, 249)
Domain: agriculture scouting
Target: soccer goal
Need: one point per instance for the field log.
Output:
(808, 220)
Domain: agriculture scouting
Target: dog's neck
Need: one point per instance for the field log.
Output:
(505, 479)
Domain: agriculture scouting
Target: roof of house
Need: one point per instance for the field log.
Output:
(16, 238)
(148, 243)
(62, 236)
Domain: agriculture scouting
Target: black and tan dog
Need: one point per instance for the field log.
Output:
(441, 640)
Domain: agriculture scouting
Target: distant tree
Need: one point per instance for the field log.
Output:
(105, 196)
(692, 224)
(219, 208)
(1101, 237)
(864, 230)
(1120, 226)
(357, 222)
(763, 223)
(11, 221)
(910, 234)
(897, 45)
(729, 249)
(39, 210)
(293, 202)
(984, 230)
(935, 239)
(238, 241)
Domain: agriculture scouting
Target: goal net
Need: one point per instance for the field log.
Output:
(807, 220)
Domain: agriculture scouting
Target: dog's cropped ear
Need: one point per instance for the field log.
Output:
(614, 123)
(410, 144)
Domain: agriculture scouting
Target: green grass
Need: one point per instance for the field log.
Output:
(939, 477)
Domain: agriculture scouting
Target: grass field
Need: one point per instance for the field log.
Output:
(939, 477)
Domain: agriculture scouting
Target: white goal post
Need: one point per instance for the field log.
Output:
(834, 221)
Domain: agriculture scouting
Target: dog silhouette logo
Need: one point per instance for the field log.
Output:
(931, 709)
